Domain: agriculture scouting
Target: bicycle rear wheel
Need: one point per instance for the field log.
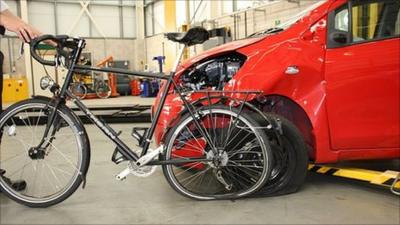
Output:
(238, 154)
(54, 171)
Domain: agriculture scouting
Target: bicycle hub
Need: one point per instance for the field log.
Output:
(36, 153)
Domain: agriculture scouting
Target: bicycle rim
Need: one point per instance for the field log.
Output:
(50, 174)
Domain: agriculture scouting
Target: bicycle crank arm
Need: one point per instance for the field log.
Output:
(144, 160)
(136, 166)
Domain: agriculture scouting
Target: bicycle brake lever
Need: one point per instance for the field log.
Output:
(21, 51)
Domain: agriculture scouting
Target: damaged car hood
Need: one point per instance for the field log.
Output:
(229, 47)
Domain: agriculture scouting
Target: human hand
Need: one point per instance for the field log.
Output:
(24, 31)
(14, 24)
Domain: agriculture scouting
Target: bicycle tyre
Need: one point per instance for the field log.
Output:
(66, 120)
(235, 174)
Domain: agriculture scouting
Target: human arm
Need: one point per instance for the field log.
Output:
(14, 24)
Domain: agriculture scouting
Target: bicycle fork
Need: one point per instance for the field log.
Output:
(52, 121)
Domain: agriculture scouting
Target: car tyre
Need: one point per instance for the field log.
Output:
(290, 158)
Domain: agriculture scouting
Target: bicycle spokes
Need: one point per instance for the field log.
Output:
(237, 165)
(48, 169)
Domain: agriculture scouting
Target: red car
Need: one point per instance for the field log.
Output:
(331, 79)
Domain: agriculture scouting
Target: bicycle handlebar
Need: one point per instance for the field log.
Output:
(61, 42)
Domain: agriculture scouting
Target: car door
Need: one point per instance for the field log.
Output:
(362, 75)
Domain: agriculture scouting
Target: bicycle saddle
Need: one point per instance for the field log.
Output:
(194, 36)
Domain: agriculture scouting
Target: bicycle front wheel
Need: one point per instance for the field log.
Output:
(230, 157)
(51, 171)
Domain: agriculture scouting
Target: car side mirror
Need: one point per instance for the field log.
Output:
(339, 37)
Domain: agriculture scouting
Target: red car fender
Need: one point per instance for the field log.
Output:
(267, 65)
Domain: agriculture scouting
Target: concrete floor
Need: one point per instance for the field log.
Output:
(323, 200)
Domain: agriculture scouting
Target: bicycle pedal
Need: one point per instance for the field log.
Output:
(19, 185)
(139, 133)
(122, 176)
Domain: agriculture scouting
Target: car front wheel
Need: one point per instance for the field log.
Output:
(290, 158)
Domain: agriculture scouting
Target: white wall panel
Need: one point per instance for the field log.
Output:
(107, 18)
(129, 16)
(128, 2)
(180, 13)
(159, 19)
(148, 13)
(106, 2)
(67, 14)
(203, 10)
(227, 6)
(41, 16)
(244, 4)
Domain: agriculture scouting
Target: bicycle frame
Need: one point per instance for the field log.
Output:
(107, 130)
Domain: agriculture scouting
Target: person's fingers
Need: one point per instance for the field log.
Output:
(30, 33)
(33, 32)
(24, 35)
(20, 36)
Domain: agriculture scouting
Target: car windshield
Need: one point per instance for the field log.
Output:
(290, 21)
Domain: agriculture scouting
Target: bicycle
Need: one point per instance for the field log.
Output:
(46, 144)
(99, 85)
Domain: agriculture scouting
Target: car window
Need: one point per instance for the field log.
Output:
(342, 20)
(366, 21)
(374, 20)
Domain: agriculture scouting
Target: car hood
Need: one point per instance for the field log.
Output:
(229, 47)
(293, 32)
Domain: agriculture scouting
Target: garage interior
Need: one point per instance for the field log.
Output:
(127, 34)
